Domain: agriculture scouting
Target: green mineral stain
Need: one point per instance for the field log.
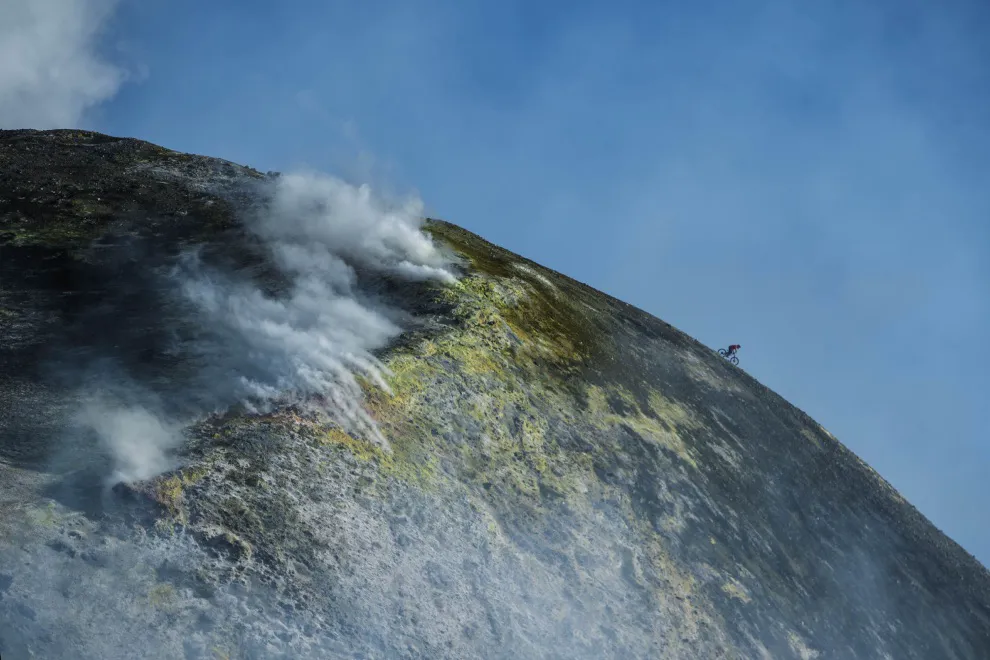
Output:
(162, 596)
(169, 491)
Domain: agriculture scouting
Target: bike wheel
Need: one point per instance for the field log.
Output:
(722, 352)
(734, 360)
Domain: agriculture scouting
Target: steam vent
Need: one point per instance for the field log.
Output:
(262, 415)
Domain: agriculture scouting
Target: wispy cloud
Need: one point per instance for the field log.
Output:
(51, 69)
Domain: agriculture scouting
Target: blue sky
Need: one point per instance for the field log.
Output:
(808, 179)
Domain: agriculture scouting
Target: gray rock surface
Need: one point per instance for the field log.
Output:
(542, 471)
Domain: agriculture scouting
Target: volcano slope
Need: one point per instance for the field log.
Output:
(532, 470)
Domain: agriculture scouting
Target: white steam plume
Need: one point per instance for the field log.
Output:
(137, 439)
(334, 218)
(310, 344)
(50, 69)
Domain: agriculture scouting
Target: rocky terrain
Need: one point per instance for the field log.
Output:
(248, 415)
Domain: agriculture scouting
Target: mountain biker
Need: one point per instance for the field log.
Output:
(732, 350)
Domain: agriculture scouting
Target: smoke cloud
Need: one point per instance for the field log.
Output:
(51, 71)
(310, 344)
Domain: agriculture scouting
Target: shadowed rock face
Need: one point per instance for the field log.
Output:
(564, 476)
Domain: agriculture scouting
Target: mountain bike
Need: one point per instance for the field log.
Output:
(731, 358)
